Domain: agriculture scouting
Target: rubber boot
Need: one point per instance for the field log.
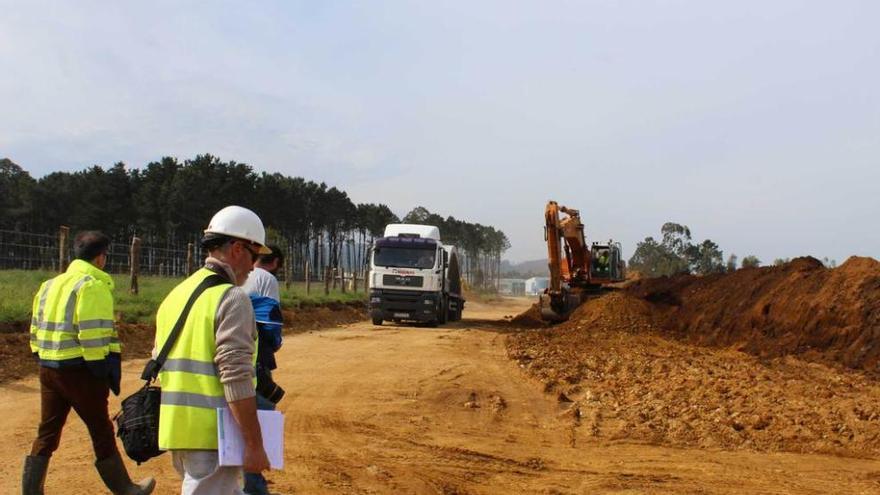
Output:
(255, 484)
(34, 475)
(112, 471)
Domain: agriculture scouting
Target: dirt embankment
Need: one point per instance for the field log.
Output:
(17, 362)
(328, 315)
(798, 308)
(625, 377)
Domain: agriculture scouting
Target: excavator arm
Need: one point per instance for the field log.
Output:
(567, 270)
(576, 253)
(569, 261)
(552, 235)
(572, 267)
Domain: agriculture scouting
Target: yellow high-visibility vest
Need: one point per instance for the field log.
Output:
(191, 388)
(73, 316)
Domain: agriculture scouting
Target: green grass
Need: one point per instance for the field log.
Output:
(17, 288)
(296, 296)
(141, 308)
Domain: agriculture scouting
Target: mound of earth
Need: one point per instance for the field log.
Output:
(323, 316)
(798, 308)
(530, 318)
(625, 379)
(622, 376)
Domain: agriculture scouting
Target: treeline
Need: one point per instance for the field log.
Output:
(170, 202)
(675, 253)
(480, 247)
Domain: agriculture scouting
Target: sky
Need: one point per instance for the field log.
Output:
(755, 123)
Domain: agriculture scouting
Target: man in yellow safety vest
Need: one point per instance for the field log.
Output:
(211, 365)
(73, 336)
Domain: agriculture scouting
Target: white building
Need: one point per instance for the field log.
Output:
(512, 286)
(536, 285)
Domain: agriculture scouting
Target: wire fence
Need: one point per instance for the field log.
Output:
(29, 251)
(154, 260)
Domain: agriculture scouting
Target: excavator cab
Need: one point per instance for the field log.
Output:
(606, 263)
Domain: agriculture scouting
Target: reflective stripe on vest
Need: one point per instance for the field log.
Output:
(66, 324)
(191, 388)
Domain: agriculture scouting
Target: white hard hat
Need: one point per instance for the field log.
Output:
(241, 223)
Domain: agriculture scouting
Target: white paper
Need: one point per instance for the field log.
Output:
(230, 444)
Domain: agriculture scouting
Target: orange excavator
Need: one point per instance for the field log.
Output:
(577, 271)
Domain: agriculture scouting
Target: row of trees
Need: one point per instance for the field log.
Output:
(675, 253)
(169, 202)
(480, 247)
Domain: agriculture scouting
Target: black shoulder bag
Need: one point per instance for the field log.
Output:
(138, 421)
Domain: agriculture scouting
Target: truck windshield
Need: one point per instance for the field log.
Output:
(403, 257)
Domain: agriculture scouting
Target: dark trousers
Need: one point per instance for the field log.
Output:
(255, 483)
(73, 387)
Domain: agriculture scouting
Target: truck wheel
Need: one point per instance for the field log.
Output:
(377, 321)
(443, 312)
(450, 311)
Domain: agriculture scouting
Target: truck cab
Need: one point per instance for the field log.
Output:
(414, 277)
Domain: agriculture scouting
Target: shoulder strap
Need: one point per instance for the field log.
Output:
(151, 370)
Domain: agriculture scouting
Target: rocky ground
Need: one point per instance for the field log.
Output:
(773, 359)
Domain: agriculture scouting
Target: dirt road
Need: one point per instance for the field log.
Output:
(398, 409)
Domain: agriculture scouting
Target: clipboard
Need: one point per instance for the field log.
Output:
(230, 444)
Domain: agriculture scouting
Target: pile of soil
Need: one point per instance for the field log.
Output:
(531, 318)
(316, 317)
(16, 361)
(803, 328)
(620, 377)
(801, 308)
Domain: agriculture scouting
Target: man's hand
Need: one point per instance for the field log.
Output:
(255, 459)
(245, 413)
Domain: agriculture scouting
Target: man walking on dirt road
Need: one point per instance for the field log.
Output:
(212, 364)
(73, 336)
(262, 288)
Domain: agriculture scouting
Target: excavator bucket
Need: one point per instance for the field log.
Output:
(558, 307)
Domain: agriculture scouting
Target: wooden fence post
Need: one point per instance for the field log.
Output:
(134, 260)
(189, 259)
(288, 268)
(63, 235)
(327, 277)
(342, 279)
(308, 277)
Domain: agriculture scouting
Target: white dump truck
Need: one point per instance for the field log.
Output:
(414, 277)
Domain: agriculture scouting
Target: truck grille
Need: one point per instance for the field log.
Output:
(401, 299)
(402, 280)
